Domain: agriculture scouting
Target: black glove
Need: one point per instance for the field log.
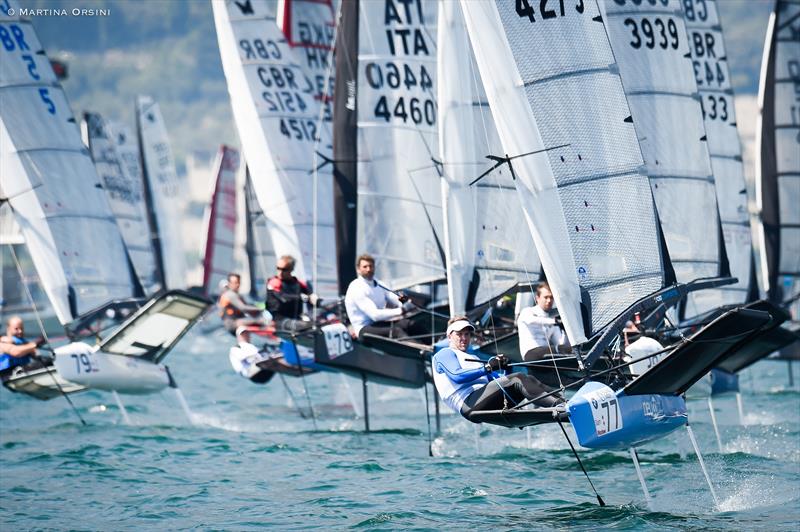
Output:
(403, 298)
(493, 364)
(503, 361)
(559, 322)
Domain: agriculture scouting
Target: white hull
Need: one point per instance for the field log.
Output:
(81, 364)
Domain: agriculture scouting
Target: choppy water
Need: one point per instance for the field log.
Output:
(249, 461)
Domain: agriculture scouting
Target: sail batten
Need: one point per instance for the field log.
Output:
(597, 239)
(276, 76)
(662, 92)
(126, 198)
(708, 54)
(50, 183)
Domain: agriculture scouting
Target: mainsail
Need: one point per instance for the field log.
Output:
(712, 74)
(162, 192)
(126, 198)
(487, 243)
(261, 257)
(650, 44)
(281, 111)
(386, 141)
(49, 180)
(778, 154)
(220, 221)
(561, 113)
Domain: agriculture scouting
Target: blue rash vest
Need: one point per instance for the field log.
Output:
(456, 376)
(7, 361)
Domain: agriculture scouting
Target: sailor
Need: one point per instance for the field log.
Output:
(15, 350)
(286, 295)
(467, 385)
(233, 308)
(373, 308)
(245, 356)
(539, 328)
(644, 351)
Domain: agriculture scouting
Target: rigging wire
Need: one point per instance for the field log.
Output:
(44, 334)
(600, 500)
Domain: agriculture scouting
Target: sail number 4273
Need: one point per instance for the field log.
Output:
(556, 9)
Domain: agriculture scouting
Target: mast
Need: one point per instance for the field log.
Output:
(488, 245)
(777, 164)
(147, 189)
(345, 142)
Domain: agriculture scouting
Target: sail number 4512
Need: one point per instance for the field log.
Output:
(525, 9)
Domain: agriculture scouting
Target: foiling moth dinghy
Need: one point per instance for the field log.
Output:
(128, 361)
(613, 409)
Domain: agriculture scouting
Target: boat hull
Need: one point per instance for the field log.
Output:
(79, 363)
(604, 419)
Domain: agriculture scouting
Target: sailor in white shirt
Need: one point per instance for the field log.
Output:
(539, 328)
(245, 356)
(370, 305)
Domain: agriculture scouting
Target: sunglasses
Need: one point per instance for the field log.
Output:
(284, 269)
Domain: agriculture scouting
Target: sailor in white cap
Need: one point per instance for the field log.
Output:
(467, 385)
(245, 356)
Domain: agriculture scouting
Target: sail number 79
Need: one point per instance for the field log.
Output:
(82, 361)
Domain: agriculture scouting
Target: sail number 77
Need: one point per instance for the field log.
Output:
(605, 410)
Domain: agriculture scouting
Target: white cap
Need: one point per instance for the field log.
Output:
(242, 329)
(459, 325)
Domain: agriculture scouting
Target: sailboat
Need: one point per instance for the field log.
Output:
(278, 158)
(126, 198)
(220, 221)
(571, 142)
(777, 167)
(490, 254)
(281, 112)
(58, 201)
(162, 192)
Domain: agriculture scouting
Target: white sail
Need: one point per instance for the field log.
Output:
(220, 221)
(48, 178)
(487, 242)
(712, 74)
(651, 47)
(277, 92)
(552, 84)
(399, 195)
(778, 155)
(125, 196)
(165, 194)
(261, 257)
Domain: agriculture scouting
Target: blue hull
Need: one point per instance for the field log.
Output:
(290, 355)
(723, 382)
(604, 419)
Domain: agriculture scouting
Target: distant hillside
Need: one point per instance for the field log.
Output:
(168, 49)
